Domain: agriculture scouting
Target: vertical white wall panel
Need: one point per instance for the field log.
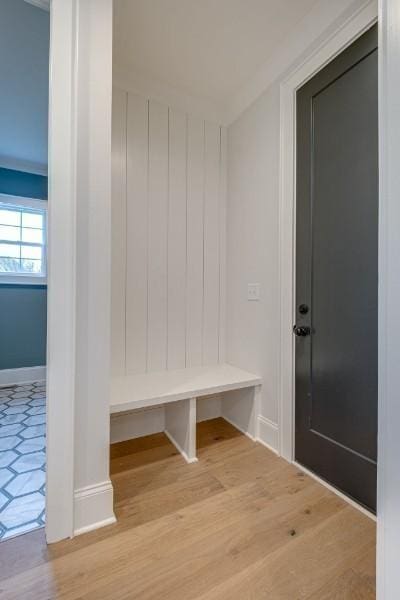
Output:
(137, 235)
(222, 245)
(157, 241)
(176, 351)
(168, 238)
(195, 242)
(211, 252)
(118, 232)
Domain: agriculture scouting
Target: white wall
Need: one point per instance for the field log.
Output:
(155, 325)
(93, 504)
(252, 245)
(168, 223)
(253, 337)
(79, 494)
(388, 582)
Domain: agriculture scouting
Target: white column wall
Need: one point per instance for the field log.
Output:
(93, 490)
(388, 582)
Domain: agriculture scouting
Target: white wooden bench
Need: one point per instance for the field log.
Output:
(178, 391)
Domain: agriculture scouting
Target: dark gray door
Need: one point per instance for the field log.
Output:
(337, 271)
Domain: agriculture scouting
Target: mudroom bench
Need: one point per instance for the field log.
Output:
(177, 390)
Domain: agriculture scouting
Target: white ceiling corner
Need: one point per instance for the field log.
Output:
(207, 50)
(315, 28)
(217, 55)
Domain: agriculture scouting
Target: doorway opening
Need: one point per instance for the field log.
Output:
(336, 374)
(291, 314)
(24, 46)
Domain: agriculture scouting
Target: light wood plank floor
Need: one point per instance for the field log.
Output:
(241, 524)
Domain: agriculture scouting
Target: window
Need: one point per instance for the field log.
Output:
(22, 240)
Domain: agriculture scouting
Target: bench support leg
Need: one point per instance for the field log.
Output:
(180, 427)
(241, 408)
(256, 411)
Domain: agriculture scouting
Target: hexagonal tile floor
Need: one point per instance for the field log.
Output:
(22, 458)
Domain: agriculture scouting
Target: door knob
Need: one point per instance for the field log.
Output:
(303, 309)
(301, 331)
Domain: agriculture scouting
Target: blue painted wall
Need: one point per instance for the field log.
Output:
(24, 77)
(27, 185)
(23, 308)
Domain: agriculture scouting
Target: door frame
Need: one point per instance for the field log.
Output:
(61, 290)
(342, 37)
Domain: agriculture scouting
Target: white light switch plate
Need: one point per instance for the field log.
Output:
(253, 291)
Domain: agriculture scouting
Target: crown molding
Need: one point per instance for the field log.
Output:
(43, 4)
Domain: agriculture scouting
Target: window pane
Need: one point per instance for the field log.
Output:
(34, 236)
(34, 220)
(31, 266)
(34, 252)
(10, 217)
(9, 250)
(10, 265)
(22, 240)
(8, 232)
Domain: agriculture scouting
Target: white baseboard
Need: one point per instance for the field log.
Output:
(23, 375)
(93, 507)
(268, 434)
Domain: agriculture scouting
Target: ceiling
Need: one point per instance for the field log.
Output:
(206, 48)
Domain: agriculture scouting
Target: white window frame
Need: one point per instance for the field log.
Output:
(24, 278)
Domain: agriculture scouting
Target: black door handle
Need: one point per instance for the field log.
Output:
(301, 331)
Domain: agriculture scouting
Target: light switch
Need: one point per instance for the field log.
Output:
(253, 291)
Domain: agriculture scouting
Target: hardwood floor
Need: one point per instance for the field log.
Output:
(240, 524)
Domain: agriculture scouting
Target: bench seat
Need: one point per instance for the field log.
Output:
(178, 390)
(152, 389)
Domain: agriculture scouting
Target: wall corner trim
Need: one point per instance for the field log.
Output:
(93, 507)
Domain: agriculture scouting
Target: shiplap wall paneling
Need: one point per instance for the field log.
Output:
(211, 253)
(195, 242)
(118, 232)
(137, 234)
(169, 214)
(176, 326)
(222, 244)
(157, 238)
